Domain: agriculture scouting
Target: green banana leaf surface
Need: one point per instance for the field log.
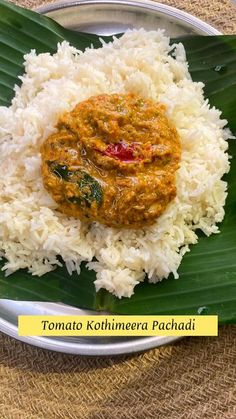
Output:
(207, 282)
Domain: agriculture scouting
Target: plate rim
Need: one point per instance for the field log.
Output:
(143, 343)
(72, 348)
(147, 4)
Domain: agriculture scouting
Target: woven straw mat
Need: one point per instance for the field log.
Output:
(192, 379)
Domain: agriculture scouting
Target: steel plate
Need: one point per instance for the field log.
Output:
(103, 18)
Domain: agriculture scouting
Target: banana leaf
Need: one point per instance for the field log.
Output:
(207, 283)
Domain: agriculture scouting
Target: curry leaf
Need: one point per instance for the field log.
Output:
(60, 171)
(86, 183)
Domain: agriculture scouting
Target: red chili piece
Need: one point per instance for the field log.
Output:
(121, 151)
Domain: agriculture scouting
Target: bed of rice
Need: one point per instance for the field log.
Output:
(33, 233)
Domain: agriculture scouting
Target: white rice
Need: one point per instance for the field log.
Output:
(33, 233)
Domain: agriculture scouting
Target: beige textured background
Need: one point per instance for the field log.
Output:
(193, 379)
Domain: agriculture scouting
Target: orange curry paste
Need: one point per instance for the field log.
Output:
(113, 160)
